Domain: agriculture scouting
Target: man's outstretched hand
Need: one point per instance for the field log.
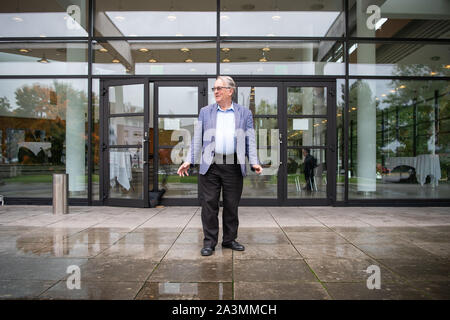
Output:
(258, 169)
(183, 169)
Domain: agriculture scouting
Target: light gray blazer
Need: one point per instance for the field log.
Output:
(203, 143)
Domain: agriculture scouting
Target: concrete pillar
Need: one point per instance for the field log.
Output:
(366, 108)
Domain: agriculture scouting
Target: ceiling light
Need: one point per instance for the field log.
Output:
(43, 60)
(226, 60)
(115, 60)
(185, 49)
(383, 95)
(103, 50)
(188, 60)
(433, 73)
(17, 19)
(224, 18)
(144, 50)
(178, 34)
(266, 49)
(226, 49)
(392, 91)
(270, 35)
(353, 108)
(447, 66)
(42, 36)
(24, 50)
(119, 18)
(152, 60)
(402, 86)
(276, 17)
(263, 59)
(171, 17)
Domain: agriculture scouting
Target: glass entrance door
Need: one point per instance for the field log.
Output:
(125, 142)
(308, 144)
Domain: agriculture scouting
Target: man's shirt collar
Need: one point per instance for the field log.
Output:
(229, 109)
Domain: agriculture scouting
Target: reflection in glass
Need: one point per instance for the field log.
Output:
(281, 18)
(126, 130)
(340, 155)
(39, 58)
(307, 100)
(307, 132)
(282, 58)
(126, 170)
(155, 18)
(44, 18)
(168, 179)
(307, 173)
(260, 100)
(404, 59)
(176, 131)
(44, 130)
(126, 99)
(398, 139)
(398, 19)
(178, 100)
(96, 139)
(154, 57)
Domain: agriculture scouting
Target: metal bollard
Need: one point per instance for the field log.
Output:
(60, 193)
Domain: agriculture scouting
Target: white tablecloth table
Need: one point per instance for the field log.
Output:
(425, 165)
(120, 169)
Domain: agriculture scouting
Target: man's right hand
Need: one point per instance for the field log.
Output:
(183, 169)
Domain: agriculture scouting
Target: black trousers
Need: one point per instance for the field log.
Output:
(228, 178)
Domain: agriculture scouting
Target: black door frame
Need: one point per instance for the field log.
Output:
(330, 146)
(104, 142)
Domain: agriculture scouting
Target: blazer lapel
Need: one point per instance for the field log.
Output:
(237, 115)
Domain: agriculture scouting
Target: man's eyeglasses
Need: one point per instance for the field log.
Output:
(219, 88)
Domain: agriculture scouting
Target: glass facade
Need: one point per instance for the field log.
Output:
(361, 86)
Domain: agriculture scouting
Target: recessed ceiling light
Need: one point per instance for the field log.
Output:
(226, 49)
(17, 19)
(224, 18)
(103, 50)
(185, 49)
(270, 35)
(115, 60)
(266, 49)
(24, 50)
(152, 60)
(447, 66)
(144, 50)
(171, 17)
(433, 73)
(188, 60)
(226, 60)
(402, 86)
(276, 17)
(119, 18)
(383, 95)
(392, 91)
(42, 36)
(178, 34)
(43, 60)
(263, 59)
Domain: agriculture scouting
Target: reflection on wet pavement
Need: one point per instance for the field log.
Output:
(291, 253)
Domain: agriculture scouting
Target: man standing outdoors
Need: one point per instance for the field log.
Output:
(222, 139)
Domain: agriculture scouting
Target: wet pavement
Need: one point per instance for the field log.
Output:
(291, 253)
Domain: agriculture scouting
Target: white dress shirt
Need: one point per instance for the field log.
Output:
(225, 130)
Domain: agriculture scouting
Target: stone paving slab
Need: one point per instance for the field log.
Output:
(291, 253)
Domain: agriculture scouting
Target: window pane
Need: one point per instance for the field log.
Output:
(41, 58)
(126, 176)
(126, 130)
(282, 58)
(396, 148)
(340, 153)
(307, 100)
(307, 132)
(404, 59)
(307, 174)
(96, 139)
(44, 18)
(173, 131)
(175, 186)
(154, 57)
(155, 18)
(178, 100)
(44, 130)
(401, 19)
(126, 99)
(281, 18)
(260, 100)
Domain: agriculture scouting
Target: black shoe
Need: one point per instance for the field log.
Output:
(207, 251)
(234, 245)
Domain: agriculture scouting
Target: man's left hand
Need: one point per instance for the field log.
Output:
(258, 168)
